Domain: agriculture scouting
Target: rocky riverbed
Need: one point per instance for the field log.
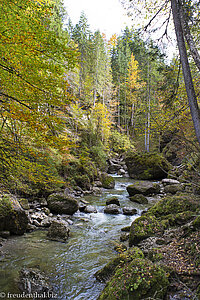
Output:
(65, 251)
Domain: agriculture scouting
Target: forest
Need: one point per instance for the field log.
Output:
(77, 107)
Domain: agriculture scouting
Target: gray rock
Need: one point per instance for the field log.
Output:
(113, 200)
(32, 280)
(112, 209)
(121, 172)
(90, 209)
(39, 216)
(96, 190)
(168, 181)
(143, 187)
(98, 183)
(139, 198)
(129, 211)
(62, 204)
(173, 188)
(58, 231)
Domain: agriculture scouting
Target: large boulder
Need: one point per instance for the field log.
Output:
(144, 227)
(62, 204)
(143, 187)
(139, 279)
(147, 166)
(58, 231)
(13, 217)
(108, 181)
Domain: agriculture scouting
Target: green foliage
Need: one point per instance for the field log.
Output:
(99, 156)
(119, 142)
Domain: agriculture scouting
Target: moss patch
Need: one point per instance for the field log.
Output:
(139, 279)
(144, 227)
(109, 269)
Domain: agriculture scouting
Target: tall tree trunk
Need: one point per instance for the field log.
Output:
(149, 108)
(192, 99)
(191, 44)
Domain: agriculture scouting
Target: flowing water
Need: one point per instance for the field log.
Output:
(71, 266)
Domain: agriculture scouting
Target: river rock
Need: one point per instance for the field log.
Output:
(129, 211)
(32, 280)
(90, 209)
(108, 181)
(113, 200)
(173, 188)
(147, 166)
(143, 187)
(98, 183)
(58, 231)
(121, 172)
(13, 217)
(139, 198)
(112, 209)
(169, 181)
(62, 204)
(39, 216)
(96, 190)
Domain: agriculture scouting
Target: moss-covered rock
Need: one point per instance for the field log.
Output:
(143, 187)
(108, 181)
(143, 227)
(109, 269)
(126, 229)
(139, 279)
(61, 204)
(147, 166)
(12, 216)
(139, 198)
(174, 205)
(173, 189)
(113, 200)
(83, 182)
